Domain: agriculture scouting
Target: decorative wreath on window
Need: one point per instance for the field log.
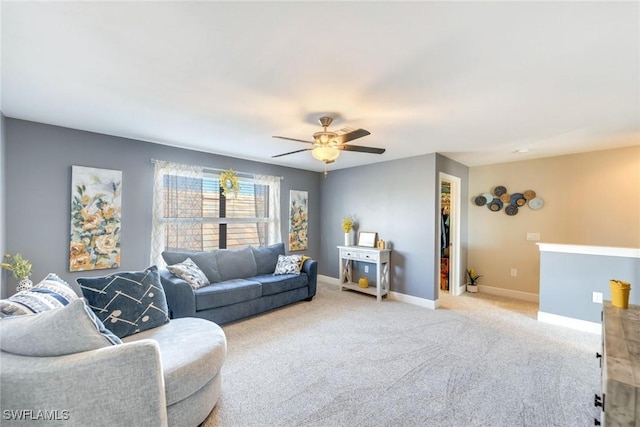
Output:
(229, 183)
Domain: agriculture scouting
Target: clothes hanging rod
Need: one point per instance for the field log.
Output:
(249, 174)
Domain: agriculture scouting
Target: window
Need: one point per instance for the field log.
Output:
(191, 213)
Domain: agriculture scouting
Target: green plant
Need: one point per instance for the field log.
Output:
(20, 267)
(473, 277)
(347, 223)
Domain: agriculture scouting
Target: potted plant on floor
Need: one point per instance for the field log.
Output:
(472, 284)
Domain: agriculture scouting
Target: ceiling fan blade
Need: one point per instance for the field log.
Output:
(358, 133)
(291, 152)
(294, 139)
(361, 149)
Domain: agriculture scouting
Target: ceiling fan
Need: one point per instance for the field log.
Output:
(326, 145)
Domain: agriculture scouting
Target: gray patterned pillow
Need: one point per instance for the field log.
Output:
(127, 302)
(288, 264)
(52, 292)
(188, 271)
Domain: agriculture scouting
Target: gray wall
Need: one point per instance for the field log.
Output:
(567, 282)
(398, 200)
(39, 159)
(3, 272)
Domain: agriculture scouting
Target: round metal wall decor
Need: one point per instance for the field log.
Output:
(495, 205)
(511, 210)
(480, 201)
(500, 199)
(536, 203)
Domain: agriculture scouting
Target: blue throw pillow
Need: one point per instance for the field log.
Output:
(127, 302)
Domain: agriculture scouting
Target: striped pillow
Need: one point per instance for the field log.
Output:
(52, 292)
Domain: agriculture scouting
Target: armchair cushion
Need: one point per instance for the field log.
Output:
(67, 330)
(127, 302)
(51, 292)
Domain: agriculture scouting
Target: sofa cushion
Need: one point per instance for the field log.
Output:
(267, 257)
(288, 264)
(67, 330)
(227, 293)
(236, 263)
(272, 285)
(206, 262)
(188, 271)
(127, 302)
(52, 292)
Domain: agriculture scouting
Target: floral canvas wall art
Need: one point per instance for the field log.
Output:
(298, 220)
(95, 218)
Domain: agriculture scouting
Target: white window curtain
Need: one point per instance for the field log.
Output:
(186, 214)
(170, 200)
(274, 235)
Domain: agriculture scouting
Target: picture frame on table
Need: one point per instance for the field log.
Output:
(367, 239)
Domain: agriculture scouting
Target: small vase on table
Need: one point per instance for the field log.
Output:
(348, 238)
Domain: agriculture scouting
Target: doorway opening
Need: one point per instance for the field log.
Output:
(449, 230)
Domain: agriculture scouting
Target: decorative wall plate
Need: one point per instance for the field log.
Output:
(499, 190)
(480, 201)
(495, 205)
(517, 199)
(536, 203)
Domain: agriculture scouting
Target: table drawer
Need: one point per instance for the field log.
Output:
(369, 256)
(346, 253)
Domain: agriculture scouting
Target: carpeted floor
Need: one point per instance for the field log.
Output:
(346, 360)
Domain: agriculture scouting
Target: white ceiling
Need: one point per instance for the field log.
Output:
(475, 81)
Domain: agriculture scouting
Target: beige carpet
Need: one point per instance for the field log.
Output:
(346, 360)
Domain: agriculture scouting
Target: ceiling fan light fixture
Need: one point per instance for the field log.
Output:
(326, 154)
(324, 137)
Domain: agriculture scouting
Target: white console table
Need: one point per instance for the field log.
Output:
(379, 257)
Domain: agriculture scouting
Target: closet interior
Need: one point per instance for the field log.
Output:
(445, 204)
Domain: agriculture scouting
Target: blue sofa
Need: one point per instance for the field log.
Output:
(242, 281)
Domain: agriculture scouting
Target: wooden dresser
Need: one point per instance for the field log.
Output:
(620, 398)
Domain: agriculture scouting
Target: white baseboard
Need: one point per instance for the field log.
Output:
(328, 279)
(409, 299)
(525, 296)
(396, 296)
(570, 322)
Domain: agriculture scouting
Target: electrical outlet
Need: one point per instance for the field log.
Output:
(514, 272)
(597, 297)
(533, 236)
(366, 268)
